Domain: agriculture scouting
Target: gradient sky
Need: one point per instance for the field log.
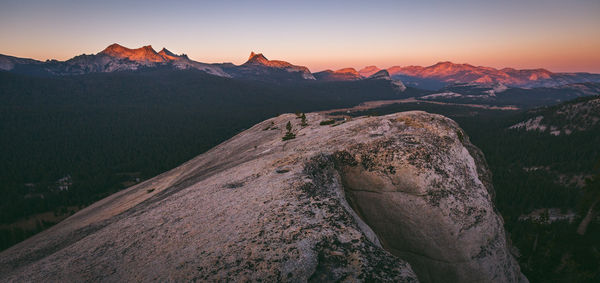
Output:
(557, 35)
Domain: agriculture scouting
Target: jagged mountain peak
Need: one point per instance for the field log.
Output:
(145, 53)
(116, 57)
(170, 56)
(257, 61)
(149, 48)
(257, 58)
(252, 54)
(166, 51)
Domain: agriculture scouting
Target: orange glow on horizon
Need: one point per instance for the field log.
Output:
(561, 36)
(582, 59)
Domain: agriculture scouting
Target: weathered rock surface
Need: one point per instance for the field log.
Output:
(257, 207)
(384, 75)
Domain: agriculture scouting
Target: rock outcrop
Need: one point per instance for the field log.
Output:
(384, 75)
(346, 74)
(259, 65)
(401, 198)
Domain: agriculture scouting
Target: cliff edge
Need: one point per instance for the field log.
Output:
(401, 198)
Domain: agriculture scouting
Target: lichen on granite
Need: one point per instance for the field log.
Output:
(398, 198)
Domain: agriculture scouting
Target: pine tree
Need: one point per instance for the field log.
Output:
(288, 135)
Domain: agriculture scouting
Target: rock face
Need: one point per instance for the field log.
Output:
(145, 54)
(346, 74)
(260, 68)
(384, 75)
(400, 198)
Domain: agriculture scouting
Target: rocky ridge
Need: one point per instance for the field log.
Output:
(113, 58)
(145, 54)
(118, 58)
(465, 73)
(346, 74)
(384, 75)
(398, 198)
(258, 64)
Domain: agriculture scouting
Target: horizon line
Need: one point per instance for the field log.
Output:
(305, 65)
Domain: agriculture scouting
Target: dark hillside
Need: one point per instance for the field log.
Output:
(106, 131)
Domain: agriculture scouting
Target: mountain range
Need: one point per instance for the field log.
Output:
(449, 72)
(274, 208)
(118, 58)
(500, 95)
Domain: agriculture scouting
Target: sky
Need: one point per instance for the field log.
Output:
(562, 36)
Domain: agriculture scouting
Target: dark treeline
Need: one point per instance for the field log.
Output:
(109, 131)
